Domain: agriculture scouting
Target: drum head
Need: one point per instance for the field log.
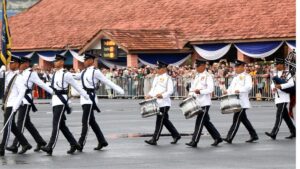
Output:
(185, 101)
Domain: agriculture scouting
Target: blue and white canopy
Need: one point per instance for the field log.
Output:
(251, 49)
(50, 55)
(212, 51)
(174, 59)
(291, 44)
(258, 49)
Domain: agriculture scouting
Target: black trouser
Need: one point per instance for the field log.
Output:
(88, 118)
(164, 120)
(203, 119)
(59, 123)
(11, 126)
(282, 113)
(24, 121)
(237, 119)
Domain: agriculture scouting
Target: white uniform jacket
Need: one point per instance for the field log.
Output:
(203, 82)
(31, 77)
(243, 83)
(91, 77)
(61, 83)
(17, 91)
(162, 84)
(281, 96)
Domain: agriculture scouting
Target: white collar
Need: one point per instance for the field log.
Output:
(243, 73)
(204, 72)
(28, 69)
(91, 67)
(61, 70)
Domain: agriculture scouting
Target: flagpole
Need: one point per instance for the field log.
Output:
(6, 44)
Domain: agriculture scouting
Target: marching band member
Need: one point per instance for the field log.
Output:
(60, 83)
(162, 89)
(31, 77)
(89, 77)
(12, 99)
(242, 85)
(201, 88)
(281, 100)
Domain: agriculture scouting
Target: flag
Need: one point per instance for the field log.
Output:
(5, 54)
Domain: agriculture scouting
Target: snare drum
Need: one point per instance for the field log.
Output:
(190, 107)
(149, 108)
(230, 104)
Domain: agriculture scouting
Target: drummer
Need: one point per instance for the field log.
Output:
(162, 89)
(202, 87)
(241, 84)
(282, 98)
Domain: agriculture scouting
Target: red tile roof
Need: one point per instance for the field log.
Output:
(134, 40)
(56, 24)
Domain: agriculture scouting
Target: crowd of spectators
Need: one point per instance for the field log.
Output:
(137, 81)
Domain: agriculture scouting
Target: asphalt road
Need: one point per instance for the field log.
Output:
(124, 129)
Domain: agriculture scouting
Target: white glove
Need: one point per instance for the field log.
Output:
(122, 92)
(14, 109)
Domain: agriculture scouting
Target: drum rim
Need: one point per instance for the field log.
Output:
(184, 101)
(229, 95)
(146, 101)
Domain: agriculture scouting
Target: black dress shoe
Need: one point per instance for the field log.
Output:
(291, 136)
(72, 149)
(2, 152)
(47, 149)
(25, 148)
(151, 142)
(100, 146)
(12, 148)
(252, 139)
(229, 141)
(80, 148)
(191, 144)
(38, 147)
(176, 139)
(217, 141)
(273, 136)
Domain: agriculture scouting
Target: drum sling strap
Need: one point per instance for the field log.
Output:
(90, 92)
(28, 91)
(7, 91)
(59, 94)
